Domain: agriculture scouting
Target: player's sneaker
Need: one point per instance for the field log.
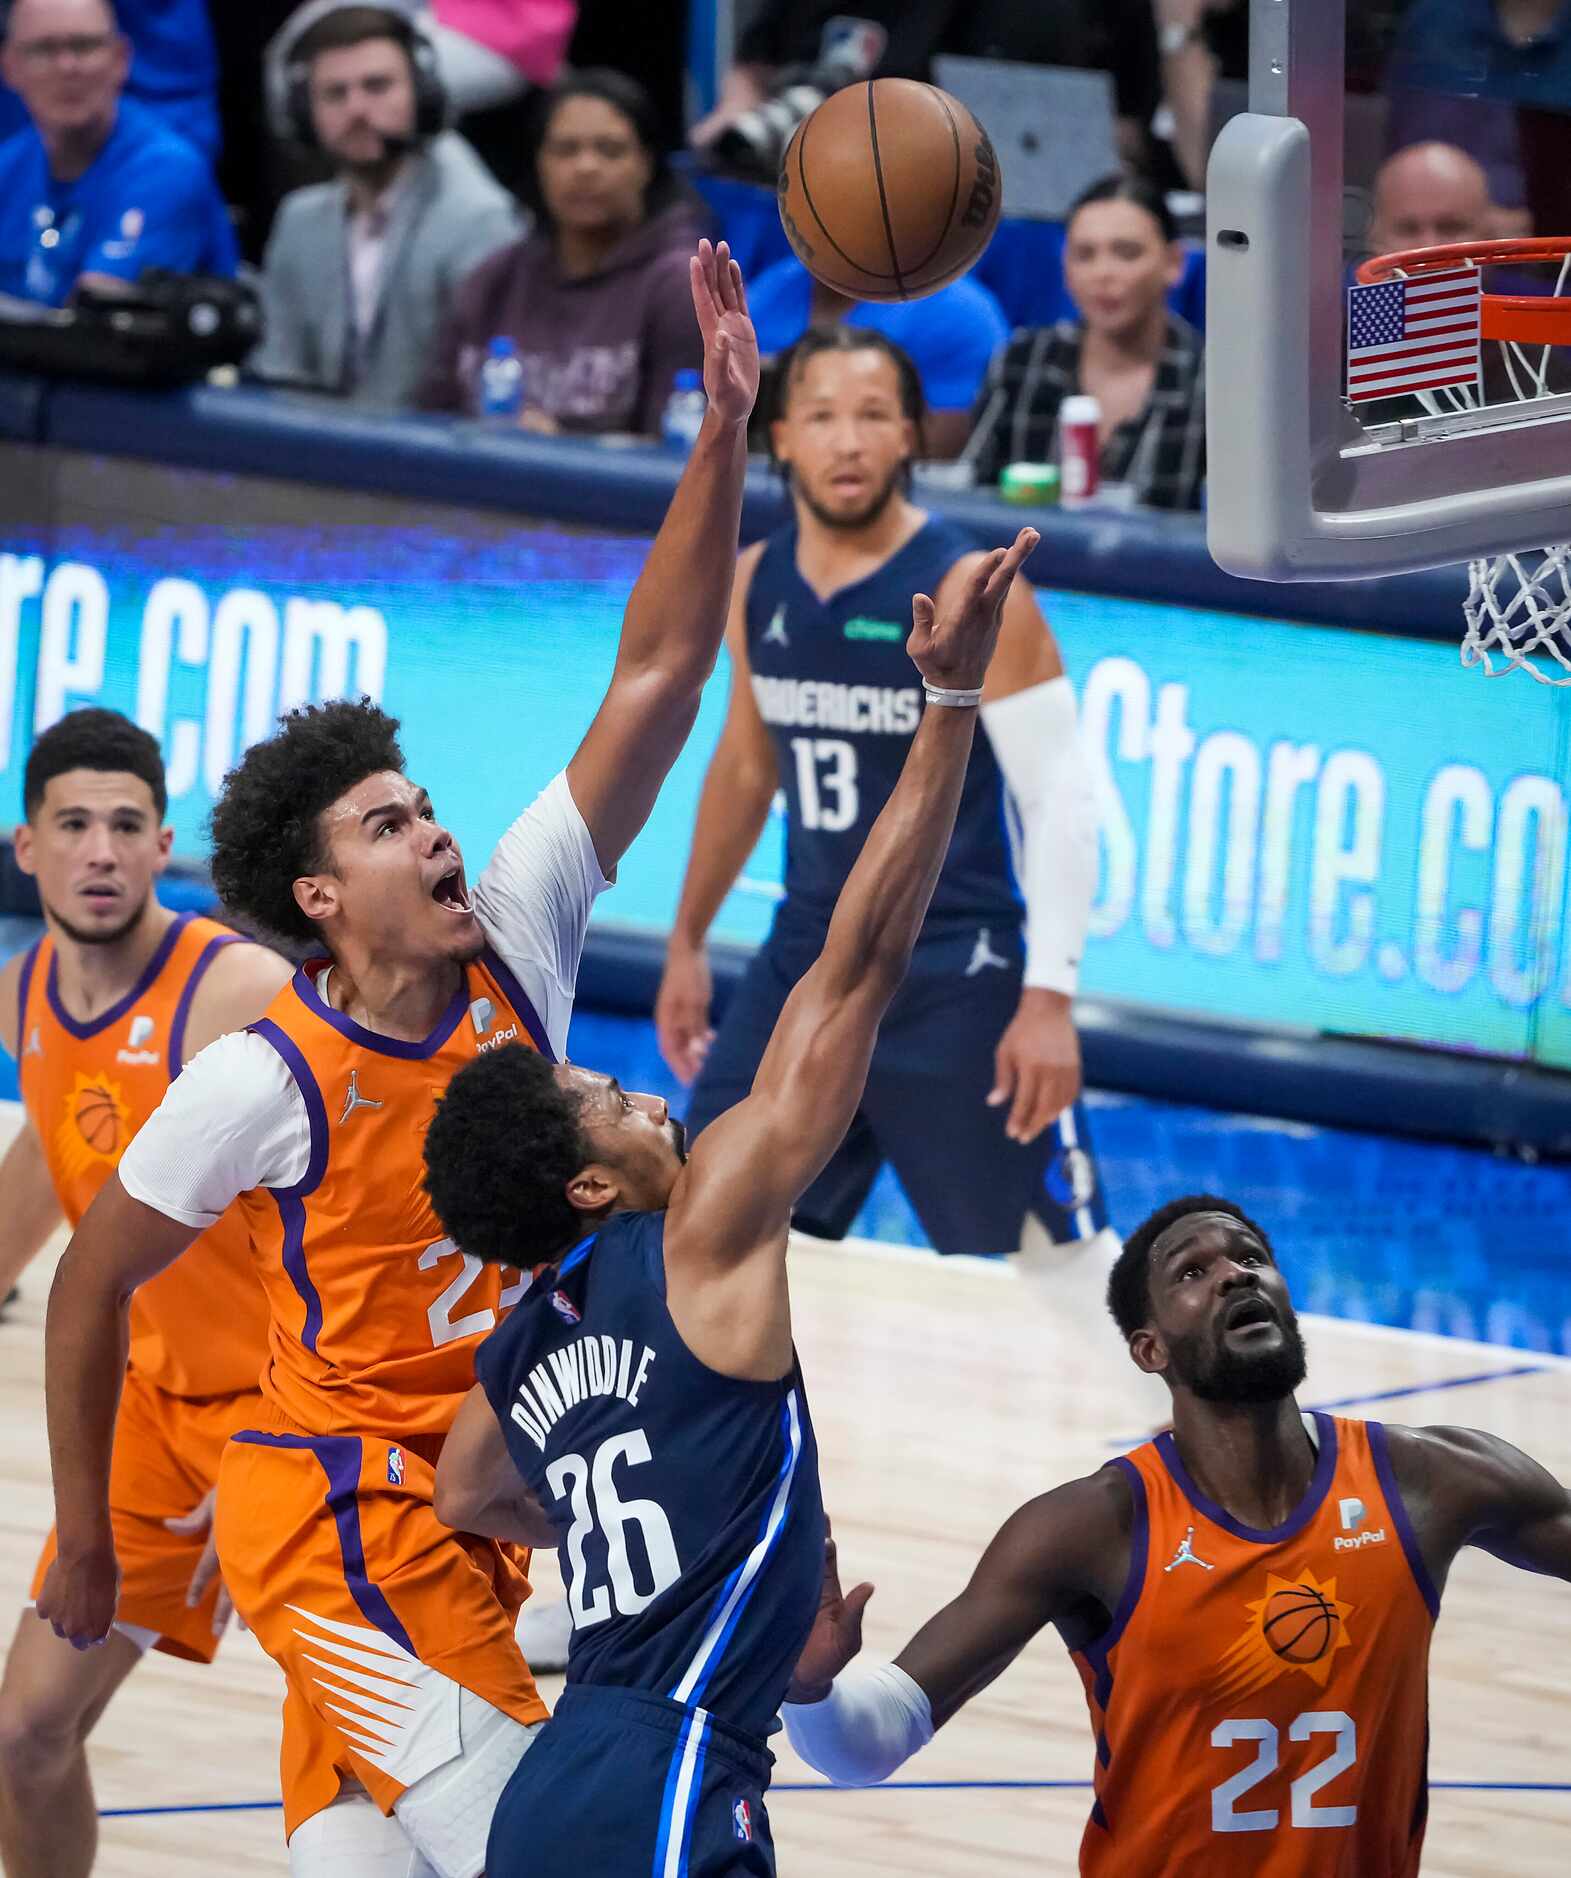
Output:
(545, 1632)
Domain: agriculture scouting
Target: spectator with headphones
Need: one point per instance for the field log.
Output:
(95, 188)
(360, 271)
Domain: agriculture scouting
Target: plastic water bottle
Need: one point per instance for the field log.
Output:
(684, 412)
(501, 380)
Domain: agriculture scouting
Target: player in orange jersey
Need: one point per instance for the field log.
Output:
(1248, 1599)
(100, 1015)
(408, 1700)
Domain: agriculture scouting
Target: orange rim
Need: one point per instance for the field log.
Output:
(1526, 319)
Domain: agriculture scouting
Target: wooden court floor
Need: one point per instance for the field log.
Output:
(943, 1396)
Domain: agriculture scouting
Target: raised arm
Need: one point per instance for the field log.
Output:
(1066, 1550)
(738, 788)
(732, 1204)
(676, 615)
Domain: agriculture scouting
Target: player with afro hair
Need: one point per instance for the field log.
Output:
(267, 822)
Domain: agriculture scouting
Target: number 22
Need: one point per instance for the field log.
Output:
(1303, 1790)
(445, 1328)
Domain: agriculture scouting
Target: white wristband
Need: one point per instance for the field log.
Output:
(955, 699)
(873, 1719)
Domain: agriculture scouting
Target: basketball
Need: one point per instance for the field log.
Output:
(1299, 1624)
(889, 190)
(98, 1120)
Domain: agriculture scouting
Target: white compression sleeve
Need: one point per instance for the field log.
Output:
(1037, 742)
(872, 1721)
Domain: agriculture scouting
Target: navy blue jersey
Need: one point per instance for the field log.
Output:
(842, 701)
(687, 1506)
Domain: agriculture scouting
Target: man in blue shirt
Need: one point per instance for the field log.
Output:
(950, 337)
(95, 190)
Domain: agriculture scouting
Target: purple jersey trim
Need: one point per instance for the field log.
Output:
(519, 999)
(341, 1457)
(140, 989)
(175, 1058)
(1380, 1453)
(305, 990)
(290, 1201)
(1100, 1648)
(1096, 1654)
(24, 985)
(1296, 1521)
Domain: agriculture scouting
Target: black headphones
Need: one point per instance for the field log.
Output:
(430, 93)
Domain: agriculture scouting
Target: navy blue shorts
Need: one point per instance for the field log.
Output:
(925, 1107)
(619, 1784)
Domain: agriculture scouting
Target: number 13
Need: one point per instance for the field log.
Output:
(829, 801)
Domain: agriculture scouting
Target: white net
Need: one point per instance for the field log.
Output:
(1518, 612)
(1518, 607)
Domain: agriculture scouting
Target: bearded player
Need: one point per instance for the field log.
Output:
(408, 1702)
(101, 1015)
(1248, 1599)
(972, 1092)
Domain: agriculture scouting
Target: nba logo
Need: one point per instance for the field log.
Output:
(565, 1308)
(1353, 1514)
(742, 1821)
(395, 1467)
(480, 1014)
(141, 1029)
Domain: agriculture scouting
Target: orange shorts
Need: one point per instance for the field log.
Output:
(166, 1456)
(376, 1612)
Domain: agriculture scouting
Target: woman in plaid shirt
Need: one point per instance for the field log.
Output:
(1140, 361)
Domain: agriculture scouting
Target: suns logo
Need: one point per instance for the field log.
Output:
(1298, 1625)
(96, 1125)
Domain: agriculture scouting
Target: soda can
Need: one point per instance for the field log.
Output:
(1079, 450)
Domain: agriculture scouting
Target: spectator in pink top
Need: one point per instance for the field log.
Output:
(596, 300)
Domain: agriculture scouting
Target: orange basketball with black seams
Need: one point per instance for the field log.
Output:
(98, 1118)
(1299, 1624)
(889, 190)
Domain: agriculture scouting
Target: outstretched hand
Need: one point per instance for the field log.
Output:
(955, 650)
(836, 1635)
(731, 364)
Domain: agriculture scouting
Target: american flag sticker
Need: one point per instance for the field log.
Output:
(1421, 334)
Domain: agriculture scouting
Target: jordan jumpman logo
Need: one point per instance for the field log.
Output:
(354, 1100)
(1185, 1555)
(983, 955)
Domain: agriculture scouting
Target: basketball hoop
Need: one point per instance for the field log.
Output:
(1518, 606)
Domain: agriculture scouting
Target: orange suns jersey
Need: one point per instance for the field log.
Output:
(199, 1328)
(376, 1315)
(1260, 1700)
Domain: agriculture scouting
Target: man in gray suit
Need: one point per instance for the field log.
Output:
(359, 272)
